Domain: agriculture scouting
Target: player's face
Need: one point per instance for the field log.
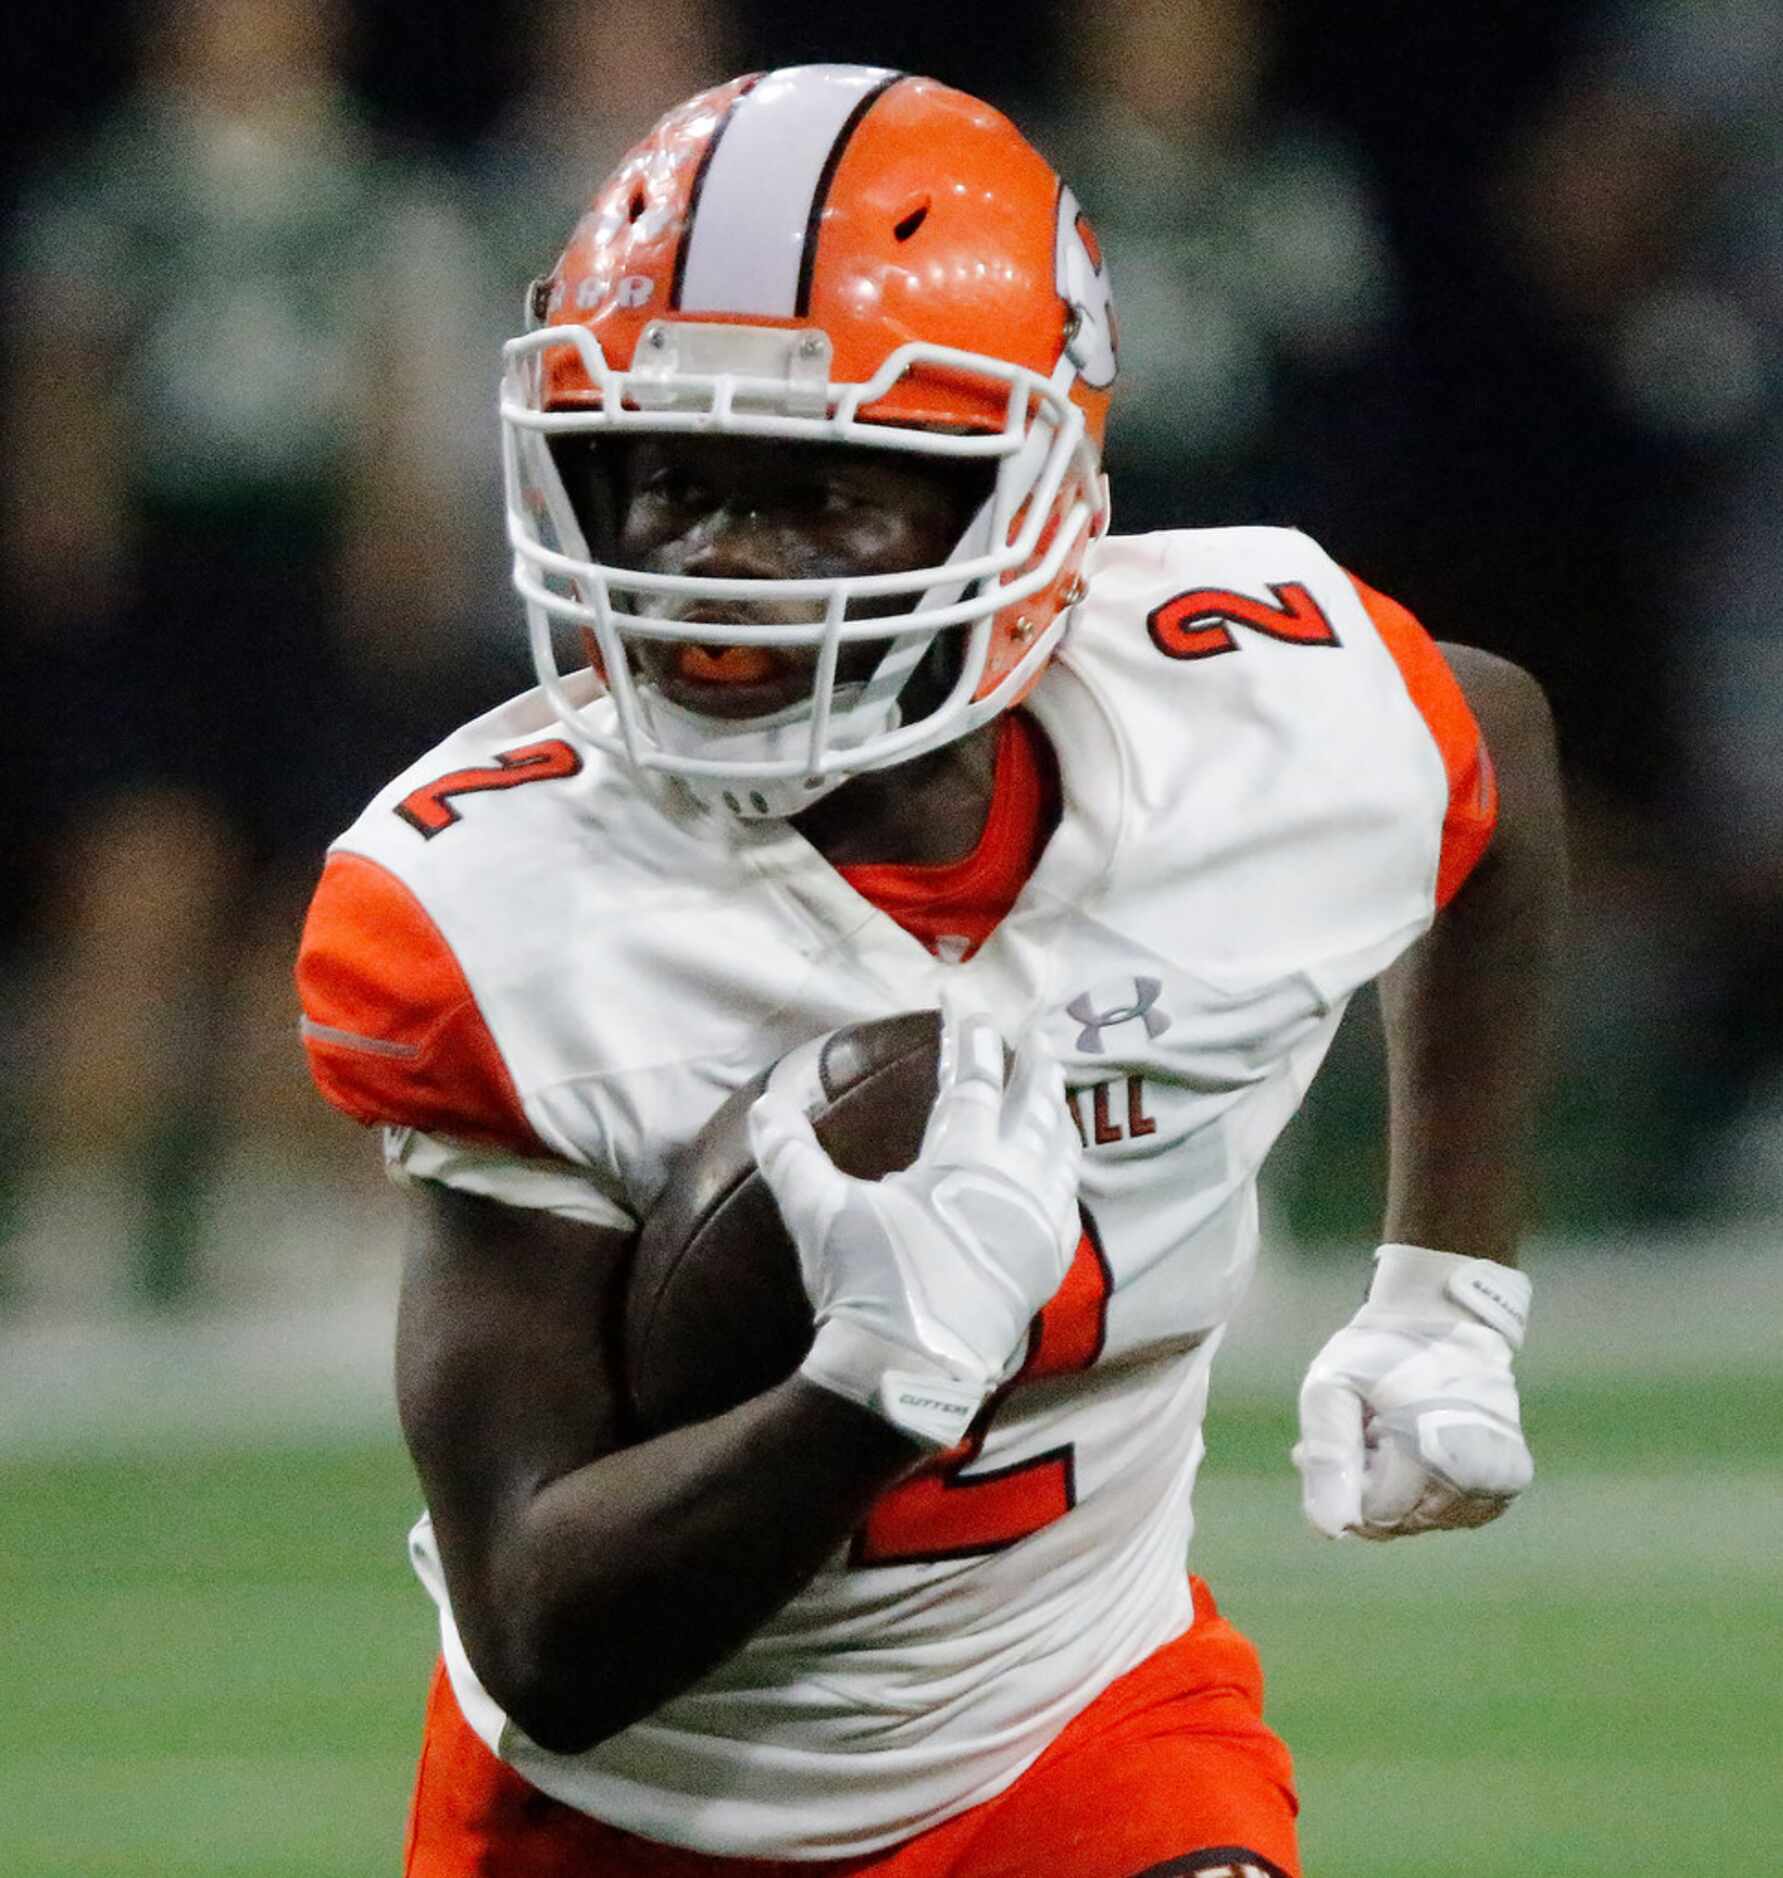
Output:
(748, 508)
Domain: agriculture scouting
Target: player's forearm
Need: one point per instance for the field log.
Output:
(1470, 1009)
(623, 1582)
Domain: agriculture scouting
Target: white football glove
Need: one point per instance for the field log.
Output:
(1408, 1416)
(924, 1283)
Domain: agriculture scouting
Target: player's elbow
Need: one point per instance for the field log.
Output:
(559, 1720)
(546, 1682)
(571, 1649)
(541, 1651)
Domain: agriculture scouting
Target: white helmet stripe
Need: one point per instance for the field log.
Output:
(698, 188)
(752, 229)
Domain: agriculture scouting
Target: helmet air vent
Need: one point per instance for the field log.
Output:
(912, 219)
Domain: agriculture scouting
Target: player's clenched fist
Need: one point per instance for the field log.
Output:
(924, 1283)
(1408, 1416)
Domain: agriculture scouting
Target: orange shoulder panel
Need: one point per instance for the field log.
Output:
(1473, 791)
(392, 1030)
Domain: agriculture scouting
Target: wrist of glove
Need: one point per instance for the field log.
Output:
(1409, 1419)
(930, 1401)
(924, 1284)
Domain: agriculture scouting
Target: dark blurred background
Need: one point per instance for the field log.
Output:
(1485, 298)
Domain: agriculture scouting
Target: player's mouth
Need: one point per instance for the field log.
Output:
(729, 665)
(754, 679)
(729, 681)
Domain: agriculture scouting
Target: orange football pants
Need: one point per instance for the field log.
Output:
(1170, 1770)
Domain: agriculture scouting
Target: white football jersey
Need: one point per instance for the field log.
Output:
(1269, 781)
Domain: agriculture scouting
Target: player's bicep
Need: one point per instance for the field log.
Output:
(1464, 744)
(507, 1361)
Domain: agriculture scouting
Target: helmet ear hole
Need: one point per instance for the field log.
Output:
(911, 220)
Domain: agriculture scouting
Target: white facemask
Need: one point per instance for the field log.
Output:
(759, 382)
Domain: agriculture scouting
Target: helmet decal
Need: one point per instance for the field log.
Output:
(1091, 339)
(751, 233)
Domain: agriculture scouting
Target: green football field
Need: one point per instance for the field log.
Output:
(213, 1662)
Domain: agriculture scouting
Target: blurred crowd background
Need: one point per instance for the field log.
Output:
(1489, 299)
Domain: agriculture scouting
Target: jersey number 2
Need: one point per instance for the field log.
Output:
(1198, 624)
(944, 1512)
(429, 811)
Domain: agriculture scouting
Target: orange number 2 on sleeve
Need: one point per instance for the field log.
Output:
(944, 1512)
(1197, 624)
(429, 811)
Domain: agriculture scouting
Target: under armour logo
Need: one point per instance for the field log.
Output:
(1144, 1007)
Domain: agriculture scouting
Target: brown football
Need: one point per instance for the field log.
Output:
(716, 1311)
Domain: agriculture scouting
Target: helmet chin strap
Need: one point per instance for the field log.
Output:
(859, 712)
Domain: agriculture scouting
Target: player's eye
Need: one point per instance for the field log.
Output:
(673, 486)
(830, 496)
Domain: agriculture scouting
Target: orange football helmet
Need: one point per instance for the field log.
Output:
(826, 253)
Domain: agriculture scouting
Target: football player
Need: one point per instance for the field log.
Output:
(850, 704)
